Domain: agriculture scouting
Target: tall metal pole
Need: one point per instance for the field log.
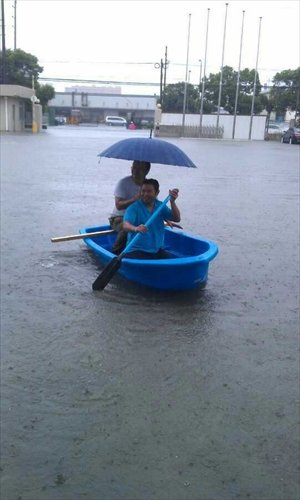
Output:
(161, 81)
(187, 92)
(33, 100)
(255, 79)
(186, 76)
(221, 72)
(238, 79)
(3, 45)
(15, 24)
(297, 104)
(165, 67)
(200, 76)
(204, 73)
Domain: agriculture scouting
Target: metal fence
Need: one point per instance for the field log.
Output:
(208, 131)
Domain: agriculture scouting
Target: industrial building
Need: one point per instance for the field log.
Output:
(87, 107)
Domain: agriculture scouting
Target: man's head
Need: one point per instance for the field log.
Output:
(139, 170)
(149, 191)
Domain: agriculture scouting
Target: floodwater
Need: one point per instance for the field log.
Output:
(132, 394)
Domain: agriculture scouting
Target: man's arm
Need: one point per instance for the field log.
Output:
(130, 219)
(175, 210)
(127, 226)
(122, 204)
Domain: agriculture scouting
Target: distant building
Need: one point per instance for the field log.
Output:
(85, 107)
(15, 100)
(94, 90)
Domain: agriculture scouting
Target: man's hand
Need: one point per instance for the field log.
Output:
(141, 229)
(173, 193)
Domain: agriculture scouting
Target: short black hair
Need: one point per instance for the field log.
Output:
(153, 182)
(145, 164)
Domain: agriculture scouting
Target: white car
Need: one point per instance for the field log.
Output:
(116, 120)
(274, 129)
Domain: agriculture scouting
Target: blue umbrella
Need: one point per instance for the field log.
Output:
(148, 149)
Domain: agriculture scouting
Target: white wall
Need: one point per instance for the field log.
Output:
(241, 127)
(11, 114)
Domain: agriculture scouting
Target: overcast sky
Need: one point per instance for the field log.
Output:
(122, 40)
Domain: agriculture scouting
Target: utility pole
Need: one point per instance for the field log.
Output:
(221, 73)
(204, 73)
(165, 67)
(297, 111)
(34, 100)
(255, 79)
(3, 44)
(161, 80)
(186, 75)
(162, 66)
(200, 77)
(187, 92)
(15, 24)
(238, 79)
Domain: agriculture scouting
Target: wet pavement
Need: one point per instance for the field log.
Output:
(132, 394)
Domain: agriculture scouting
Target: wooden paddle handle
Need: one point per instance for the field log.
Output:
(71, 237)
(81, 236)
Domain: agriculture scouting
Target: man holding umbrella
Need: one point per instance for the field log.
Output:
(127, 191)
(145, 150)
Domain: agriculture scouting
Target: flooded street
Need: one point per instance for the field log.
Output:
(133, 394)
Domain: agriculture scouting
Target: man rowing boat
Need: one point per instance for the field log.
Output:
(150, 244)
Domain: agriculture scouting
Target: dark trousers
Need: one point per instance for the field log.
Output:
(116, 224)
(140, 254)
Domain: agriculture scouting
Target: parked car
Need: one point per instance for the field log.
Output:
(59, 120)
(116, 120)
(291, 136)
(274, 129)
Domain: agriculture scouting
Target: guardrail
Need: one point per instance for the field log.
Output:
(207, 131)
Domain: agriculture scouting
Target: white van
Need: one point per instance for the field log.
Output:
(115, 120)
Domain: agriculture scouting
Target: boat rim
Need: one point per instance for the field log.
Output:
(177, 261)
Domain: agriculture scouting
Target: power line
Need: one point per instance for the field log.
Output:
(144, 84)
(107, 82)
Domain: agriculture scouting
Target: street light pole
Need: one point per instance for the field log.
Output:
(255, 78)
(3, 45)
(238, 80)
(186, 75)
(160, 67)
(204, 72)
(165, 67)
(15, 24)
(200, 77)
(221, 73)
(33, 100)
(161, 80)
(187, 92)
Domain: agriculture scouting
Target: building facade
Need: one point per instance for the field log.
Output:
(14, 101)
(86, 107)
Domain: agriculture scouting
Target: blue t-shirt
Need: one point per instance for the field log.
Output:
(153, 240)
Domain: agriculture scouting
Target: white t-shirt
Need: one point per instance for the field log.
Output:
(126, 188)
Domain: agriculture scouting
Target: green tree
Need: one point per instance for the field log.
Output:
(45, 93)
(174, 93)
(229, 82)
(173, 97)
(285, 91)
(212, 85)
(20, 68)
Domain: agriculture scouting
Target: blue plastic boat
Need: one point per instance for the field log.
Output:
(187, 269)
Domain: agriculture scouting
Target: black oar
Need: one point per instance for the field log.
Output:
(112, 267)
